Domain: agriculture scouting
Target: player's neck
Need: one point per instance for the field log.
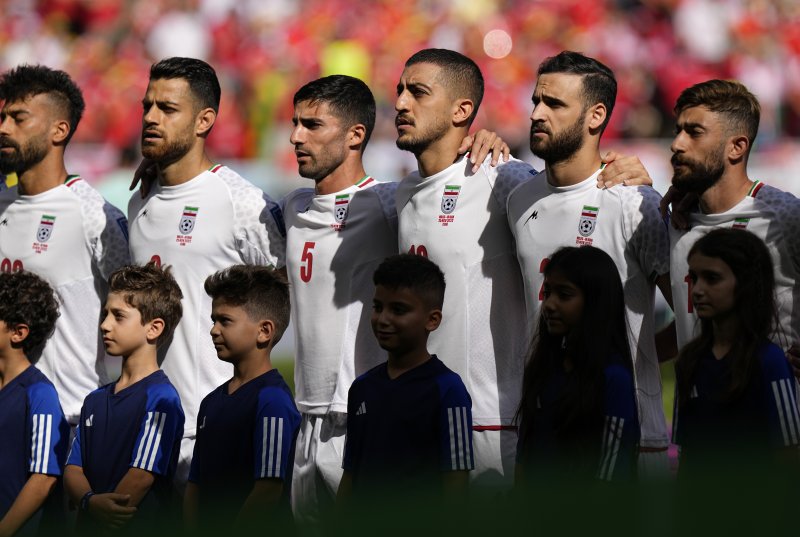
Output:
(249, 368)
(731, 189)
(44, 176)
(350, 172)
(579, 167)
(142, 363)
(441, 154)
(12, 363)
(401, 363)
(725, 336)
(185, 168)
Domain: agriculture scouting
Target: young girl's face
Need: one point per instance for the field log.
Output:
(563, 304)
(713, 286)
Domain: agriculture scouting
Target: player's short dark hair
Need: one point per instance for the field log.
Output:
(200, 76)
(26, 81)
(459, 75)
(728, 98)
(599, 83)
(348, 98)
(153, 291)
(416, 273)
(27, 299)
(261, 291)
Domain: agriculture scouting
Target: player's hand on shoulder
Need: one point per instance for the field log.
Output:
(621, 169)
(111, 509)
(481, 144)
(681, 203)
(147, 173)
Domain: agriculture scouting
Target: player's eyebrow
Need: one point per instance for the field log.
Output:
(689, 125)
(410, 86)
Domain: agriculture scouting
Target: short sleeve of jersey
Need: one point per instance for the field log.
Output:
(106, 229)
(160, 429)
(75, 457)
(258, 220)
(620, 428)
(455, 425)
(277, 422)
(49, 431)
(198, 464)
(385, 193)
(787, 209)
(506, 176)
(781, 399)
(648, 235)
(351, 438)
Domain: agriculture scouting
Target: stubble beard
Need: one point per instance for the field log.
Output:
(560, 147)
(168, 151)
(423, 140)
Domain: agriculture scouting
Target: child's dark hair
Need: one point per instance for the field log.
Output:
(261, 291)
(418, 274)
(601, 338)
(153, 291)
(27, 299)
(27, 81)
(754, 308)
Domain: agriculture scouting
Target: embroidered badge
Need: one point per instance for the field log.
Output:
(449, 200)
(186, 225)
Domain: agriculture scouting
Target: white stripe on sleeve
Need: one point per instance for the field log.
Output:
(137, 461)
(264, 437)
(34, 435)
(451, 430)
(46, 445)
(157, 442)
(277, 472)
(459, 440)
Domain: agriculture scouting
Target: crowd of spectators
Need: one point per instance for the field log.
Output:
(264, 49)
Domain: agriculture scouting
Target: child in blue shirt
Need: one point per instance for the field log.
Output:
(33, 430)
(409, 420)
(125, 450)
(241, 468)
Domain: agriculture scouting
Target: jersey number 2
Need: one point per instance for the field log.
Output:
(307, 261)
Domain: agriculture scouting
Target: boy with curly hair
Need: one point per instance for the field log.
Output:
(33, 430)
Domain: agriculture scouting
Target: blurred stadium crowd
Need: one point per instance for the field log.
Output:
(264, 49)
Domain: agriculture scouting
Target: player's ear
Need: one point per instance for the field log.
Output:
(154, 329)
(596, 115)
(356, 136)
(61, 130)
(19, 332)
(266, 332)
(434, 320)
(462, 111)
(737, 147)
(205, 120)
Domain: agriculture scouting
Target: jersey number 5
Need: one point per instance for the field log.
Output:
(307, 261)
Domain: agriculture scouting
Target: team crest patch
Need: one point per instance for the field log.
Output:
(449, 200)
(340, 207)
(186, 225)
(740, 223)
(586, 225)
(43, 233)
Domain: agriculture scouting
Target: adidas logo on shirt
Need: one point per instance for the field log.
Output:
(90, 420)
(362, 409)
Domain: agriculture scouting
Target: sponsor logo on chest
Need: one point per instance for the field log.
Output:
(43, 233)
(340, 210)
(186, 225)
(586, 225)
(449, 200)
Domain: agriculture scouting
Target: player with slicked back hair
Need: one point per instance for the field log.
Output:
(198, 217)
(55, 225)
(716, 126)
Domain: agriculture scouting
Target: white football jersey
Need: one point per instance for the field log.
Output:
(458, 220)
(74, 239)
(334, 243)
(774, 216)
(625, 223)
(209, 223)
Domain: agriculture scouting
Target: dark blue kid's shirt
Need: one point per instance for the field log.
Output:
(33, 434)
(765, 418)
(242, 437)
(139, 427)
(613, 457)
(405, 432)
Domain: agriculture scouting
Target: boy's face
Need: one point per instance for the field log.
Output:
(234, 333)
(122, 328)
(401, 320)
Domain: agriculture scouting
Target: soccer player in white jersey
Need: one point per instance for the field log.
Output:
(199, 217)
(717, 122)
(56, 225)
(573, 100)
(336, 235)
(457, 218)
